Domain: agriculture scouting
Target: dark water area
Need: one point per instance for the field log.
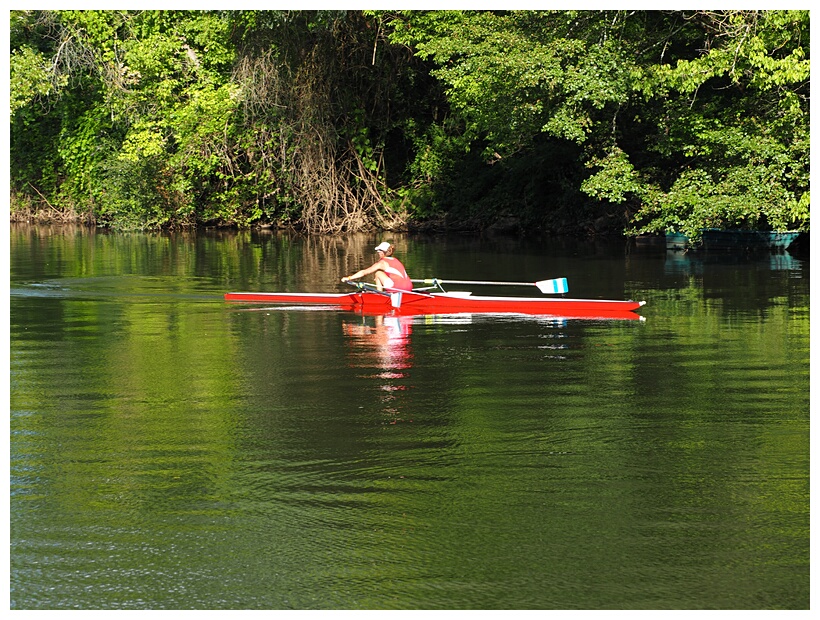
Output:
(170, 450)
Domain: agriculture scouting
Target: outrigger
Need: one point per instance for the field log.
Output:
(434, 299)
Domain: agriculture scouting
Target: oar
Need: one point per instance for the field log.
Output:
(556, 285)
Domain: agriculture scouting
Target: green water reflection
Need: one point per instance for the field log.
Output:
(172, 451)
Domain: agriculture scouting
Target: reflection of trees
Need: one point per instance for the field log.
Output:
(284, 261)
(148, 410)
(247, 260)
(141, 388)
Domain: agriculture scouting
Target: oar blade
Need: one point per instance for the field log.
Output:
(553, 287)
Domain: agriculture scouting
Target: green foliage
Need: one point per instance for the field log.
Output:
(344, 120)
(129, 194)
(615, 178)
(684, 140)
(29, 77)
(80, 149)
(514, 75)
(744, 197)
(737, 145)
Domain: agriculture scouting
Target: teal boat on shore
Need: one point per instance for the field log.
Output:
(733, 240)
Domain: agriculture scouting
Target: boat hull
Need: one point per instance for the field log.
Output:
(412, 302)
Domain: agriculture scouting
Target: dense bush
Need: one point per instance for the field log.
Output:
(334, 121)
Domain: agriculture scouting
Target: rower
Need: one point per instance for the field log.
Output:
(388, 270)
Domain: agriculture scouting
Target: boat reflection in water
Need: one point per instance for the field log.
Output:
(380, 347)
(384, 339)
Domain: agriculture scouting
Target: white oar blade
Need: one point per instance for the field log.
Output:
(555, 286)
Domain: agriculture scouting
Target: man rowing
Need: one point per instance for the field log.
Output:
(388, 270)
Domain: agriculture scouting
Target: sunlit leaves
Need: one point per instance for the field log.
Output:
(765, 50)
(678, 118)
(615, 177)
(718, 98)
(513, 75)
(30, 77)
(145, 140)
(742, 194)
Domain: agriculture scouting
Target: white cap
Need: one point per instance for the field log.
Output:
(383, 246)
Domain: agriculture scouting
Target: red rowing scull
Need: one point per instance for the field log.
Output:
(416, 302)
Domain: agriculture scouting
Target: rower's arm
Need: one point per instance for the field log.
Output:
(363, 272)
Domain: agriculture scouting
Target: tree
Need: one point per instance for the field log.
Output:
(118, 119)
(728, 133)
(338, 121)
(689, 120)
(168, 118)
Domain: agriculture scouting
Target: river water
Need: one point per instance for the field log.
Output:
(170, 450)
